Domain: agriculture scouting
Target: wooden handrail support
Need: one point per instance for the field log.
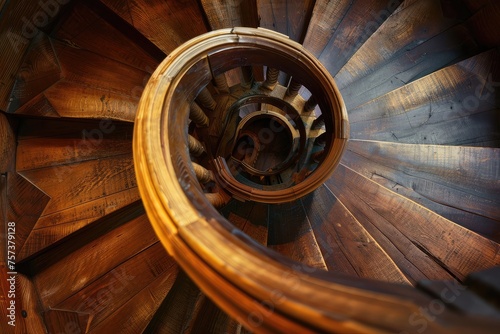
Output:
(264, 291)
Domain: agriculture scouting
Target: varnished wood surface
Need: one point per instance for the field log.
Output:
(7, 144)
(252, 218)
(227, 14)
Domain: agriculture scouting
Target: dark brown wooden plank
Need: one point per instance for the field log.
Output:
(288, 17)
(93, 141)
(250, 217)
(76, 184)
(87, 29)
(290, 234)
(60, 321)
(453, 106)
(484, 25)
(350, 35)
(401, 32)
(114, 289)
(233, 13)
(459, 183)
(179, 309)
(211, 319)
(98, 257)
(335, 225)
(18, 29)
(25, 205)
(161, 21)
(7, 145)
(134, 316)
(457, 249)
(326, 17)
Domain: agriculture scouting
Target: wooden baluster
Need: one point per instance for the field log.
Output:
(221, 83)
(271, 78)
(197, 115)
(206, 100)
(202, 174)
(293, 89)
(248, 79)
(195, 147)
(310, 104)
(318, 123)
(218, 200)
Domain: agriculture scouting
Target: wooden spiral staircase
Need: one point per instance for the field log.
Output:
(403, 236)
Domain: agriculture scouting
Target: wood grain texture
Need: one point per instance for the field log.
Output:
(83, 266)
(80, 183)
(484, 25)
(290, 234)
(454, 106)
(160, 21)
(250, 217)
(178, 311)
(104, 296)
(61, 321)
(288, 17)
(211, 319)
(233, 13)
(459, 183)
(27, 300)
(135, 315)
(88, 30)
(18, 29)
(26, 202)
(350, 239)
(7, 145)
(457, 249)
(401, 32)
(350, 35)
(326, 17)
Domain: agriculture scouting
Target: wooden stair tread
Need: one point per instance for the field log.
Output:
(233, 13)
(457, 249)
(251, 217)
(346, 245)
(453, 106)
(459, 183)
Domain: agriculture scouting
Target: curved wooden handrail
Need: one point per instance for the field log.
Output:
(264, 291)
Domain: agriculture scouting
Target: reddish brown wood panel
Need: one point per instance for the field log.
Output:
(350, 34)
(459, 183)
(166, 24)
(27, 301)
(211, 319)
(251, 217)
(401, 32)
(85, 265)
(457, 249)
(453, 106)
(26, 202)
(61, 321)
(7, 145)
(485, 25)
(290, 234)
(87, 29)
(363, 253)
(288, 17)
(104, 296)
(20, 23)
(234, 13)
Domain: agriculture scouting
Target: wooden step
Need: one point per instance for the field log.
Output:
(453, 106)
(346, 245)
(458, 183)
(167, 25)
(416, 231)
(349, 35)
(291, 234)
(233, 13)
(250, 217)
(211, 319)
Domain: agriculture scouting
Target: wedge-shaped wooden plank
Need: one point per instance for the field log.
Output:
(459, 183)
(51, 228)
(76, 184)
(290, 18)
(402, 31)
(7, 145)
(88, 141)
(233, 13)
(211, 319)
(290, 234)
(349, 239)
(120, 45)
(114, 289)
(179, 309)
(160, 21)
(135, 315)
(411, 261)
(457, 249)
(453, 106)
(326, 17)
(63, 321)
(27, 304)
(350, 35)
(250, 217)
(85, 265)
(25, 204)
